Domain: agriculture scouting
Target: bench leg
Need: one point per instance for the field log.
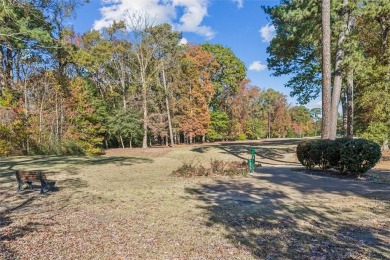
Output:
(45, 186)
(20, 186)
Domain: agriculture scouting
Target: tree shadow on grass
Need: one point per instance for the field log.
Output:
(53, 164)
(201, 149)
(263, 155)
(269, 152)
(26, 214)
(27, 203)
(309, 184)
(283, 142)
(36, 210)
(8, 234)
(5, 238)
(272, 225)
(266, 142)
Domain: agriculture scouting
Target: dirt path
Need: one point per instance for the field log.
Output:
(126, 205)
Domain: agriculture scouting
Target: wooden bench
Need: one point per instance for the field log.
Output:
(28, 177)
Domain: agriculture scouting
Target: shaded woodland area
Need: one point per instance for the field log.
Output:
(134, 84)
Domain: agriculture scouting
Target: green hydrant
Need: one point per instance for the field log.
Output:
(251, 162)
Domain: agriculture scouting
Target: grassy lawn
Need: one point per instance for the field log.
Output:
(126, 205)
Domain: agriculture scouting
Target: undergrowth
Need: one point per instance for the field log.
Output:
(216, 168)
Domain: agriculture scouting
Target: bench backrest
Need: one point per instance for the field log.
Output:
(29, 175)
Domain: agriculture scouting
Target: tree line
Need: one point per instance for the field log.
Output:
(131, 84)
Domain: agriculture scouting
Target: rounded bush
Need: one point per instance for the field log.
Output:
(319, 153)
(304, 154)
(357, 156)
(333, 153)
(346, 155)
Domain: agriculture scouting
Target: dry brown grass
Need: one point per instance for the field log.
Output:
(129, 207)
(380, 174)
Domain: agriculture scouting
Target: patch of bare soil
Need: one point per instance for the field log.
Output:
(386, 155)
(385, 165)
(381, 171)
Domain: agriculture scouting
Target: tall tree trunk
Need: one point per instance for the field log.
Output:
(124, 102)
(8, 66)
(26, 112)
(326, 71)
(62, 119)
(40, 120)
(106, 136)
(123, 83)
(57, 118)
(167, 105)
(269, 125)
(145, 110)
(337, 81)
(344, 104)
(350, 112)
(2, 68)
(121, 139)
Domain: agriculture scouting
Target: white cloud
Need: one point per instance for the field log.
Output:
(183, 41)
(316, 103)
(258, 66)
(240, 3)
(161, 11)
(267, 32)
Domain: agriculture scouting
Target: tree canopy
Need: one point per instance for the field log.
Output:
(359, 51)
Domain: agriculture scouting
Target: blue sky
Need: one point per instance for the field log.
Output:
(240, 25)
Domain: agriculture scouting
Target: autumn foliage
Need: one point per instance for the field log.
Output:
(129, 85)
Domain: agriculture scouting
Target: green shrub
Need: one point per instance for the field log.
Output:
(241, 137)
(357, 156)
(304, 154)
(36, 149)
(377, 132)
(66, 147)
(333, 153)
(4, 148)
(8, 142)
(346, 155)
(72, 147)
(319, 153)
